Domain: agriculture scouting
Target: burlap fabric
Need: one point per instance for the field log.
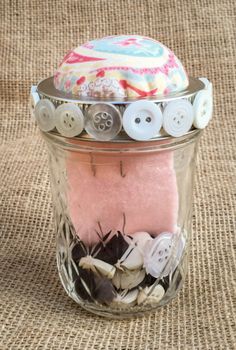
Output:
(36, 313)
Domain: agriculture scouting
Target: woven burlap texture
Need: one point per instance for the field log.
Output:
(36, 313)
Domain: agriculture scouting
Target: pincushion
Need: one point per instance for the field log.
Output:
(121, 66)
(121, 182)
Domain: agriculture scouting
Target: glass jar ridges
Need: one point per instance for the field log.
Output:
(103, 274)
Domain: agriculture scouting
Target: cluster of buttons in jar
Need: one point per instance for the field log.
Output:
(141, 120)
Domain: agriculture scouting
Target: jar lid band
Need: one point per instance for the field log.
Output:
(139, 119)
(47, 89)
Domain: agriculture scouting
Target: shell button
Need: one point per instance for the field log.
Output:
(178, 117)
(69, 120)
(163, 254)
(45, 115)
(103, 121)
(142, 120)
(33, 100)
(203, 108)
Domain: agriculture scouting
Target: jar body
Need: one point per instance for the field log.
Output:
(123, 220)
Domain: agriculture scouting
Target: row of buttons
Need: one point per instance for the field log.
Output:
(142, 120)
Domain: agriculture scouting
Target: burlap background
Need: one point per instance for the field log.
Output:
(35, 311)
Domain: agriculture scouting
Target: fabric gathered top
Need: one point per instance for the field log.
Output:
(121, 66)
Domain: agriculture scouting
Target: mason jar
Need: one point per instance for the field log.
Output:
(122, 176)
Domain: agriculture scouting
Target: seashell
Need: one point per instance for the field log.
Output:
(88, 262)
(78, 251)
(111, 251)
(141, 238)
(125, 298)
(156, 294)
(104, 292)
(147, 281)
(132, 259)
(128, 279)
(84, 284)
(90, 287)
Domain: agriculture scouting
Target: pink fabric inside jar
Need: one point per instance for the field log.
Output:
(129, 192)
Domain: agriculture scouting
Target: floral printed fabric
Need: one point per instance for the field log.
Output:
(121, 66)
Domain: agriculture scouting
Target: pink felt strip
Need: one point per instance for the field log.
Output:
(103, 187)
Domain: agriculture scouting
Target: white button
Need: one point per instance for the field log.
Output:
(33, 100)
(163, 254)
(178, 117)
(207, 83)
(69, 120)
(142, 120)
(33, 89)
(203, 107)
(45, 115)
(103, 121)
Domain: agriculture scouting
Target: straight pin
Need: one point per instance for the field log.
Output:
(93, 167)
(124, 223)
(100, 228)
(121, 169)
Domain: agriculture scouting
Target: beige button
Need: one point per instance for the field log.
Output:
(103, 121)
(45, 115)
(69, 120)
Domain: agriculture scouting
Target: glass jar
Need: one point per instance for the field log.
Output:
(123, 219)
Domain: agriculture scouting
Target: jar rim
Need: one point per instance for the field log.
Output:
(129, 146)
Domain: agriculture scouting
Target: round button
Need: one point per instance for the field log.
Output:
(33, 100)
(163, 254)
(203, 107)
(45, 115)
(103, 121)
(178, 117)
(69, 120)
(207, 83)
(142, 120)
